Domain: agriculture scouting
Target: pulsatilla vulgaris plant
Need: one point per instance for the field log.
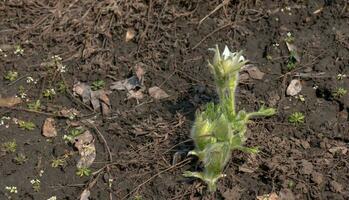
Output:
(220, 128)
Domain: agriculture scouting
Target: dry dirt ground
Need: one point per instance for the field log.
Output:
(141, 144)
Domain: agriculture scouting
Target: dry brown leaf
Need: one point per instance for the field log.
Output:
(83, 90)
(135, 95)
(255, 73)
(69, 113)
(127, 84)
(130, 34)
(271, 196)
(294, 88)
(157, 93)
(10, 101)
(85, 194)
(49, 128)
(87, 150)
(140, 72)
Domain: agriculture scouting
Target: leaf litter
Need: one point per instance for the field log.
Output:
(98, 99)
(49, 128)
(84, 143)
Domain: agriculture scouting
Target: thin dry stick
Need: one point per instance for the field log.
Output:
(154, 176)
(225, 2)
(102, 137)
(213, 32)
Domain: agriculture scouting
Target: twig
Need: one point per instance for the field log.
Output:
(225, 2)
(154, 176)
(102, 137)
(213, 32)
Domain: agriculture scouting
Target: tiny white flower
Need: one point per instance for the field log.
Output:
(52, 198)
(289, 34)
(41, 173)
(30, 79)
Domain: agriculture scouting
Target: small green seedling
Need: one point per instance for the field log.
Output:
(289, 38)
(9, 147)
(36, 184)
(21, 92)
(35, 106)
(98, 84)
(49, 93)
(296, 118)
(340, 92)
(20, 159)
(83, 171)
(26, 125)
(220, 128)
(72, 134)
(61, 87)
(341, 77)
(58, 162)
(292, 61)
(18, 50)
(11, 189)
(11, 76)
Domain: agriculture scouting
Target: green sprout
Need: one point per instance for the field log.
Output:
(83, 171)
(21, 92)
(20, 159)
(35, 106)
(138, 197)
(72, 134)
(220, 128)
(11, 76)
(292, 61)
(61, 87)
(35, 184)
(341, 76)
(9, 147)
(58, 162)
(98, 84)
(49, 93)
(340, 92)
(26, 125)
(11, 189)
(296, 118)
(289, 38)
(18, 50)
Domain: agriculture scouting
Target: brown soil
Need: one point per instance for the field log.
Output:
(149, 138)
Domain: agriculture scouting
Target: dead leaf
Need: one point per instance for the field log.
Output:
(294, 88)
(85, 194)
(87, 150)
(157, 93)
(135, 94)
(246, 169)
(342, 150)
(69, 113)
(49, 129)
(140, 72)
(255, 73)
(307, 167)
(10, 101)
(83, 90)
(127, 84)
(271, 196)
(286, 194)
(100, 99)
(130, 34)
